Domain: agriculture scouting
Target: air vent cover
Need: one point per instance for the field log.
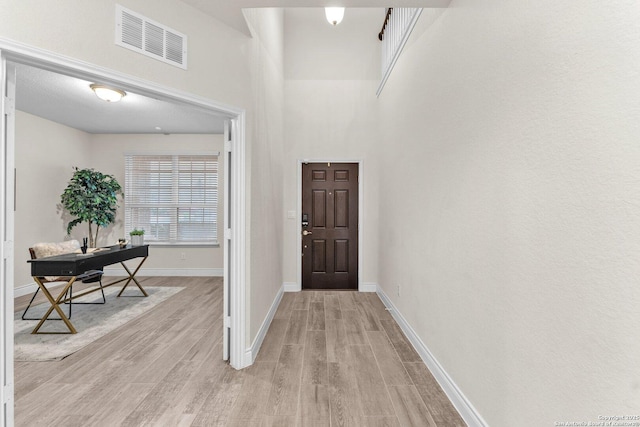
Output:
(145, 36)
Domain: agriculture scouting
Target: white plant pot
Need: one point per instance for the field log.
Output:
(137, 240)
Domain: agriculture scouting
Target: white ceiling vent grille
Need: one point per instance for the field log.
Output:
(141, 34)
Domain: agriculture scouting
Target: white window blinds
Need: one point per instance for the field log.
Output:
(174, 198)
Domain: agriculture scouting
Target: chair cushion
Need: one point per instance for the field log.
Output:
(42, 250)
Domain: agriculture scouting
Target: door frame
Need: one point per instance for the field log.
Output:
(7, 232)
(234, 271)
(298, 245)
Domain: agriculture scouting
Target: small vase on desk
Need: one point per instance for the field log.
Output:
(137, 240)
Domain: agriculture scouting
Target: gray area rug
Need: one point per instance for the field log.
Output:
(91, 322)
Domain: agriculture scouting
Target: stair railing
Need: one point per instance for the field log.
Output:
(397, 26)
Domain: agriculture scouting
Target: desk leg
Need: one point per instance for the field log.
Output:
(55, 306)
(132, 277)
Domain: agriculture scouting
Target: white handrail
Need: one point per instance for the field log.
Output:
(395, 36)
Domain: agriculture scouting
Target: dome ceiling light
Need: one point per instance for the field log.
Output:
(334, 14)
(107, 93)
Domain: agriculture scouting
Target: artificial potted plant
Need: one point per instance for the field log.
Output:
(137, 237)
(91, 197)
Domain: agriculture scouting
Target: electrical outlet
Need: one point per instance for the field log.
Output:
(398, 289)
(183, 256)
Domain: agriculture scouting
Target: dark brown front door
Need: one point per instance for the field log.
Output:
(330, 226)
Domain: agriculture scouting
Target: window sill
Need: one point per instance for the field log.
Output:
(182, 245)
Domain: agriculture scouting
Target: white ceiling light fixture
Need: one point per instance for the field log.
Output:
(334, 14)
(107, 93)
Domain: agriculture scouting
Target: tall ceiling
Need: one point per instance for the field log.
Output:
(69, 101)
(230, 12)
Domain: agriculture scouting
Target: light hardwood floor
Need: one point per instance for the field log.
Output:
(329, 359)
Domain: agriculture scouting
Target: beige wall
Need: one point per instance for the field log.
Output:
(315, 50)
(46, 153)
(510, 204)
(85, 30)
(265, 207)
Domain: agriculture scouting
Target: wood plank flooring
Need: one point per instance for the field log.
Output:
(330, 358)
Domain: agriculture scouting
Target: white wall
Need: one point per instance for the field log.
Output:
(265, 224)
(510, 207)
(331, 112)
(316, 50)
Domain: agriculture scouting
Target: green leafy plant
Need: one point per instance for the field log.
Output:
(91, 197)
(136, 232)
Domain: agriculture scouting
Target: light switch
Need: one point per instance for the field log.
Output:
(291, 214)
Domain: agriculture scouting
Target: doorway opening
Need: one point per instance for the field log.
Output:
(234, 271)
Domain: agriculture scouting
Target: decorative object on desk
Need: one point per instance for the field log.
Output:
(137, 237)
(84, 246)
(91, 197)
(122, 243)
(93, 322)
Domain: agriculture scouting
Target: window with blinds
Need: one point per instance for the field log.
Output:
(174, 198)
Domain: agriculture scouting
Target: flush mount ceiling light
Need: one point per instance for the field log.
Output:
(334, 14)
(107, 93)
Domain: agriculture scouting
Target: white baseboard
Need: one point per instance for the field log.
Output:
(291, 287)
(467, 411)
(30, 288)
(25, 289)
(368, 287)
(251, 353)
(167, 272)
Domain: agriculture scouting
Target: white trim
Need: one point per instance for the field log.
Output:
(368, 287)
(30, 288)
(247, 359)
(226, 241)
(167, 272)
(251, 353)
(298, 246)
(7, 234)
(237, 255)
(172, 153)
(40, 58)
(27, 289)
(291, 287)
(466, 409)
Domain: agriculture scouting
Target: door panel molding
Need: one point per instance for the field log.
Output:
(295, 287)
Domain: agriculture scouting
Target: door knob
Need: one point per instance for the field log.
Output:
(306, 232)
